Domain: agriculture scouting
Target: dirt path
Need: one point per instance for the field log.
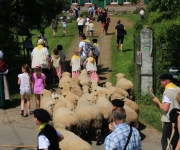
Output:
(10, 117)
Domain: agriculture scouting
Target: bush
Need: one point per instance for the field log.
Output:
(138, 26)
(136, 11)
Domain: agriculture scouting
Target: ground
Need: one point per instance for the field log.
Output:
(20, 129)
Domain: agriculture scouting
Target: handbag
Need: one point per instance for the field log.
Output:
(128, 138)
(43, 60)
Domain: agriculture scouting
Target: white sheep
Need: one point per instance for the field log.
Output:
(72, 141)
(75, 89)
(94, 83)
(116, 90)
(91, 118)
(124, 84)
(74, 81)
(71, 97)
(66, 117)
(131, 117)
(68, 104)
(104, 105)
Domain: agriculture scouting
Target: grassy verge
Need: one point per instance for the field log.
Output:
(122, 62)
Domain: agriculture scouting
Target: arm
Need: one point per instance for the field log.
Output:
(178, 125)
(71, 62)
(19, 81)
(61, 137)
(85, 62)
(163, 106)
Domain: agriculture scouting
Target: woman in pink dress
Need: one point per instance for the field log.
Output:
(76, 64)
(90, 64)
(38, 83)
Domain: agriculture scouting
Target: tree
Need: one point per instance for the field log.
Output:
(22, 16)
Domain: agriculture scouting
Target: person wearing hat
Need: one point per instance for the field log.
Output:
(116, 103)
(40, 55)
(48, 137)
(4, 91)
(120, 32)
(168, 103)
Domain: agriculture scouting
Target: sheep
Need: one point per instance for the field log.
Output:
(66, 74)
(58, 103)
(45, 93)
(66, 117)
(84, 79)
(124, 84)
(45, 99)
(131, 117)
(74, 81)
(64, 87)
(68, 104)
(85, 89)
(75, 89)
(127, 102)
(93, 83)
(72, 141)
(48, 105)
(71, 97)
(87, 95)
(91, 118)
(104, 105)
(116, 90)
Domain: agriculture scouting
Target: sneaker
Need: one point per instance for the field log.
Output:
(22, 113)
(29, 113)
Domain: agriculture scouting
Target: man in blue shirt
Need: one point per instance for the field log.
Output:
(118, 138)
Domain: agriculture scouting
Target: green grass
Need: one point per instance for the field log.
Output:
(123, 62)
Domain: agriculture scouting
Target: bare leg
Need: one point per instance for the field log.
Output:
(28, 104)
(121, 47)
(22, 105)
(37, 101)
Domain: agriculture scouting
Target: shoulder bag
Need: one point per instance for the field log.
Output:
(128, 138)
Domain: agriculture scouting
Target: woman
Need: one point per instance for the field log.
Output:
(80, 22)
(40, 55)
(4, 91)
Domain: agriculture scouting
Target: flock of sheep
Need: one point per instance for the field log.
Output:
(79, 106)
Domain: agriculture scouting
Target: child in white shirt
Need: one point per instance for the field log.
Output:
(25, 81)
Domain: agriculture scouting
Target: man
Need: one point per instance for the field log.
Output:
(82, 49)
(119, 137)
(141, 13)
(116, 103)
(90, 11)
(168, 103)
(120, 32)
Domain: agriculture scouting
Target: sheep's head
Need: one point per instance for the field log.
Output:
(66, 74)
(120, 75)
(84, 71)
(85, 89)
(108, 84)
(117, 96)
(101, 93)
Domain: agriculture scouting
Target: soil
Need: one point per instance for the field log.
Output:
(10, 115)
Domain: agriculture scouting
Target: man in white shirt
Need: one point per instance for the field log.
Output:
(141, 13)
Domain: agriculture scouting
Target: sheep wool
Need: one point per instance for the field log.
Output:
(75, 89)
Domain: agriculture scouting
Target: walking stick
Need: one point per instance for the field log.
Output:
(169, 140)
(151, 92)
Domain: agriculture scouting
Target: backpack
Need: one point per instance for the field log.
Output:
(89, 47)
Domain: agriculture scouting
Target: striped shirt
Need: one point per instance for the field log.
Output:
(118, 138)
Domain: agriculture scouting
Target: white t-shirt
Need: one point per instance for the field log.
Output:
(25, 81)
(82, 45)
(141, 12)
(45, 51)
(80, 21)
(166, 99)
(64, 24)
(87, 21)
(43, 142)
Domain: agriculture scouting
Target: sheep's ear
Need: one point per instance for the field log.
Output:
(61, 88)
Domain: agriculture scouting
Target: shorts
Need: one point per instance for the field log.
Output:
(121, 39)
(64, 28)
(25, 91)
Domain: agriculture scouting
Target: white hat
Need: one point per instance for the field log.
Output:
(1, 54)
(40, 42)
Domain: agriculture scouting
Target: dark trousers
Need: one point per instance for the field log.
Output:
(80, 28)
(46, 73)
(166, 133)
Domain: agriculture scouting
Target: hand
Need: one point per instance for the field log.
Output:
(156, 100)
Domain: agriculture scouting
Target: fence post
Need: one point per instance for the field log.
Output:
(146, 38)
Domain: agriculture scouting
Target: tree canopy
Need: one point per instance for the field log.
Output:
(21, 16)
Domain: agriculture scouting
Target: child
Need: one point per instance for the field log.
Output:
(38, 83)
(90, 64)
(87, 24)
(76, 64)
(62, 55)
(25, 81)
(108, 20)
(56, 66)
(64, 24)
(91, 28)
(97, 50)
(48, 137)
